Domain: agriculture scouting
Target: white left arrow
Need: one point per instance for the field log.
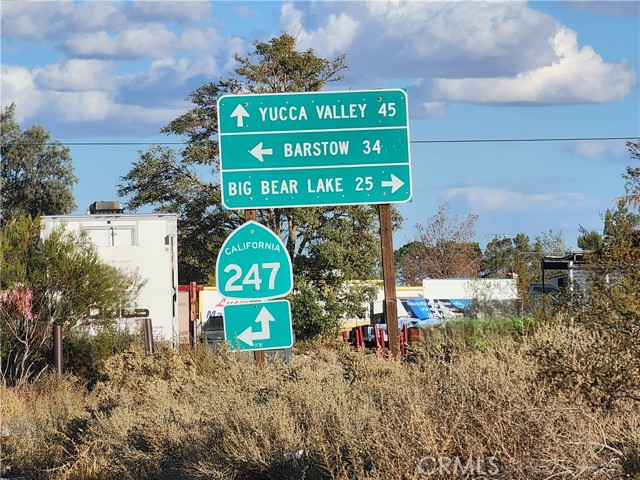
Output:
(248, 335)
(395, 183)
(239, 112)
(258, 151)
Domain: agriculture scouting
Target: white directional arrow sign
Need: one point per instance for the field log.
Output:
(395, 183)
(249, 335)
(274, 330)
(239, 113)
(258, 151)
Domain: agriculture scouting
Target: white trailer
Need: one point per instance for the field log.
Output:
(146, 243)
(451, 297)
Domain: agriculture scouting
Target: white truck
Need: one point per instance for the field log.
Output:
(146, 243)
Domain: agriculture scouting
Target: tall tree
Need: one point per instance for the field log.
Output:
(499, 258)
(410, 263)
(37, 173)
(329, 246)
(449, 250)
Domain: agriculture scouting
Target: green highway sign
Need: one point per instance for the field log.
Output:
(258, 326)
(253, 264)
(314, 148)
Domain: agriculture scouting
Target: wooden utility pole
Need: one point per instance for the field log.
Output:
(251, 215)
(389, 278)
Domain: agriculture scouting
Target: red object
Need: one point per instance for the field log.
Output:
(193, 288)
(405, 339)
(359, 341)
(382, 346)
(414, 334)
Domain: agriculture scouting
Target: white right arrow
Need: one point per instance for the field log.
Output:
(248, 335)
(395, 183)
(258, 151)
(239, 112)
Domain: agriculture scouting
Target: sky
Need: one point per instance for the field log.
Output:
(518, 111)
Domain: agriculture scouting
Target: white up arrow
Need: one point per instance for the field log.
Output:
(248, 336)
(395, 183)
(239, 112)
(258, 151)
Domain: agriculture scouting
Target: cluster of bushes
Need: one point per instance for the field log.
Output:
(451, 411)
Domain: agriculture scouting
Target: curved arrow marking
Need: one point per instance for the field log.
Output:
(395, 183)
(258, 151)
(248, 335)
(239, 112)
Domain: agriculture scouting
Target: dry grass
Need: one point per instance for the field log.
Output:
(330, 414)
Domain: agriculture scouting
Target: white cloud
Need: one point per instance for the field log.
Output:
(143, 42)
(69, 99)
(33, 20)
(75, 75)
(17, 86)
(477, 52)
(170, 10)
(446, 39)
(93, 16)
(485, 199)
(244, 11)
(429, 109)
(150, 41)
(182, 68)
(472, 31)
(44, 19)
(577, 76)
(87, 106)
(333, 37)
(99, 106)
(601, 150)
(205, 39)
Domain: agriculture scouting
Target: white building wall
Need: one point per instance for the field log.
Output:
(143, 243)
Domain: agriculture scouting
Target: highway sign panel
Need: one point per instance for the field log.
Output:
(258, 326)
(314, 148)
(253, 264)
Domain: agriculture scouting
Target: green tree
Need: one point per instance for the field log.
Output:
(589, 240)
(621, 215)
(550, 243)
(527, 259)
(599, 354)
(37, 173)
(330, 246)
(410, 262)
(499, 258)
(57, 281)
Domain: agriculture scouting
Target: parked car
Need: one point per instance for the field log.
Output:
(213, 330)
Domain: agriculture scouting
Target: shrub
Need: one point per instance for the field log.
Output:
(594, 350)
(327, 414)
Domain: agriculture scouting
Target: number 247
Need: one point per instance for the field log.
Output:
(252, 277)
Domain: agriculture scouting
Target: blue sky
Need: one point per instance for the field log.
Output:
(117, 72)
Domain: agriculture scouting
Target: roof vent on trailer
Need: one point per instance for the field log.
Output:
(97, 208)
